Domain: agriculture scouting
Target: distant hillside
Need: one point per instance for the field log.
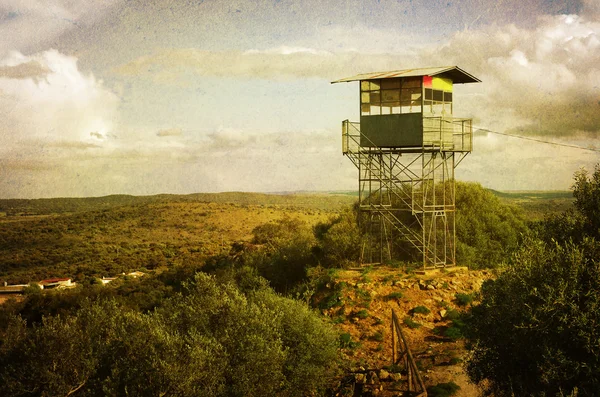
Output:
(316, 201)
(538, 204)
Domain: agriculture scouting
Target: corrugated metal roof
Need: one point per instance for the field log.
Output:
(456, 74)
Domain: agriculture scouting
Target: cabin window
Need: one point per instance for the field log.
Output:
(438, 98)
(390, 96)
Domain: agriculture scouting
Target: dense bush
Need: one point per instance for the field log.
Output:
(537, 327)
(339, 240)
(487, 230)
(583, 219)
(211, 340)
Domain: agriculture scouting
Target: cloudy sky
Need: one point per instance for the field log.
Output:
(156, 96)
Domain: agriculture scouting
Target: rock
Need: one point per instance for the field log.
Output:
(372, 378)
(443, 313)
(383, 374)
(431, 287)
(395, 376)
(359, 378)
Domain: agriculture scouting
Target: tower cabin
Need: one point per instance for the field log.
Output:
(409, 111)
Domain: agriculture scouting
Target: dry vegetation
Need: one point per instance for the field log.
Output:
(173, 236)
(146, 235)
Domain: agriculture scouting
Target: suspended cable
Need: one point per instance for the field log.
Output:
(538, 140)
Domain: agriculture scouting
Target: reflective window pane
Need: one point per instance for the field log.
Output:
(390, 83)
(411, 82)
(390, 95)
(375, 97)
(375, 85)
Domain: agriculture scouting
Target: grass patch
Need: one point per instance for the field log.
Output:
(364, 298)
(346, 341)
(362, 314)
(377, 336)
(393, 295)
(420, 310)
(339, 319)
(410, 323)
(443, 389)
(463, 299)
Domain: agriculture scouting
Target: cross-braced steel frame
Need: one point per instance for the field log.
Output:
(405, 196)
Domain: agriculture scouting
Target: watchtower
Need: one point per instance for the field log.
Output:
(406, 148)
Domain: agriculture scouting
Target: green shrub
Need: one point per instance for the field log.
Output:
(362, 314)
(377, 336)
(453, 333)
(463, 299)
(393, 295)
(452, 314)
(183, 348)
(443, 390)
(532, 332)
(339, 240)
(420, 310)
(486, 229)
(346, 342)
(410, 323)
(339, 319)
(364, 298)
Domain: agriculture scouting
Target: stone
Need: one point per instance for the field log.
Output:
(395, 376)
(431, 287)
(383, 374)
(359, 378)
(443, 313)
(372, 378)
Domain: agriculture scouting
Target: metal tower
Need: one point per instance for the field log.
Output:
(406, 148)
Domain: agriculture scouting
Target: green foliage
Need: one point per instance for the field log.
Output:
(362, 314)
(393, 295)
(211, 339)
(420, 310)
(364, 298)
(346, 342)
(410, 323)
(443, 389)
(288, 254)
(586, 191)
(339, 240)
(583, 219)
(454, 332)
(463, 299)
(487, 230)
(377, 336)
(536, 329)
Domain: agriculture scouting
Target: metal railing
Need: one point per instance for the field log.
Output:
(402, 355)
(448, 134)
(439, 133)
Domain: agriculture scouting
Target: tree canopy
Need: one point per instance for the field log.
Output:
(537, 327)
(212, 339)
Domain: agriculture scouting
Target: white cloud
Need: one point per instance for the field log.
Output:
(542, 80)
(56, 103)
(172, 65)
(27, 24)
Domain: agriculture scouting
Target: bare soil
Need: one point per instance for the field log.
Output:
(377, 291)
